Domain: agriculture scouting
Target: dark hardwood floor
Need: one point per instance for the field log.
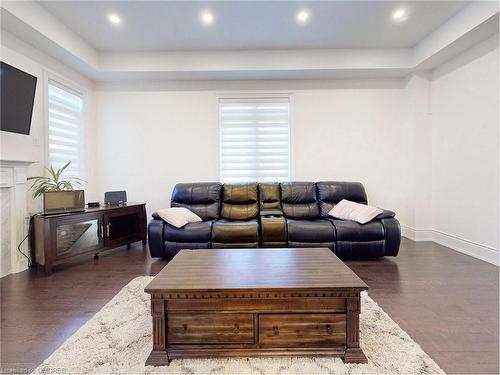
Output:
(446, 301)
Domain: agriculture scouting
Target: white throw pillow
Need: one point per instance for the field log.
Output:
(178, 216)
(360, 213)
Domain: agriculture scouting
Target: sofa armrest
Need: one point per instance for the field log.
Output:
(387, 214)
(155, 237)
(156, 216)
(392, 231)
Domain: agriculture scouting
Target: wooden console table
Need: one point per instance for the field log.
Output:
(59, 238)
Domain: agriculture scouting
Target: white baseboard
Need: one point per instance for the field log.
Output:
(487, 253)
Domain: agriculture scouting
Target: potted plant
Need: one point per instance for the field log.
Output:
(53, 182)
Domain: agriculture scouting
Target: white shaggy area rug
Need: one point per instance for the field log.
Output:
(117, 340)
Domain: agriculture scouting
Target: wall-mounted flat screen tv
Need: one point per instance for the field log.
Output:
(17, 94)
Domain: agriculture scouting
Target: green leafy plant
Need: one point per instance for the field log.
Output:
(53, 182)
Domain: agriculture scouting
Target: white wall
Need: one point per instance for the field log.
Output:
(150, 140)
(465, 143)
(420, 146)
(33, 146)
(352, 135)
(417, 152)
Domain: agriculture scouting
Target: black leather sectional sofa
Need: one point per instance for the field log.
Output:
(287, 214)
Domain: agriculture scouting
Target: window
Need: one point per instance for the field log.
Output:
(65, 129)
(254, 139)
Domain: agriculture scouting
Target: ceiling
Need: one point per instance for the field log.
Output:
(261, 40)
(250, 25)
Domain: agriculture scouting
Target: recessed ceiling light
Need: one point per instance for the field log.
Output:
(400, 15)
(114, 19)
(303, 16)
(207, 18)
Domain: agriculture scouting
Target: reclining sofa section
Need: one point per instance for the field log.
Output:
(287, 214)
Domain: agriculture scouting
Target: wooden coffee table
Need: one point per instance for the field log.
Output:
(255, 302)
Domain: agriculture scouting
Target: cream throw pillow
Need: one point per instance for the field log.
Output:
(347, 210)
(178, 216)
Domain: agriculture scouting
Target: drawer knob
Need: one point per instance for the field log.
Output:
(236, 328)
(276, 331)
(329, 329)
(184, 328)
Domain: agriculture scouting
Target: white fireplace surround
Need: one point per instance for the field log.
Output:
(14, 214)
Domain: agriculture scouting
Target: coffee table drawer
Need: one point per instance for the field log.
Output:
(302, 330)
(210, 328)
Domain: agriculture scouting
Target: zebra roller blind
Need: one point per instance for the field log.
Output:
(65, 123)
(254, 139)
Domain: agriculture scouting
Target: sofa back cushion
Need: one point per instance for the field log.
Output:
(299, 200)
(332, 192)
(239, 201)
(203, 198)
(269, 196)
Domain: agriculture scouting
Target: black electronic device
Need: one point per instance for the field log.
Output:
(115, 197)
(17, 95)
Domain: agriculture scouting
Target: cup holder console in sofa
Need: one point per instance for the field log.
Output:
(287, 214)
(272, 222)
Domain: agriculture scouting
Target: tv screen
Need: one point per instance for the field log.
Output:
(17, 94)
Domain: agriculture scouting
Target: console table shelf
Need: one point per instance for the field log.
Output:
(59, 238)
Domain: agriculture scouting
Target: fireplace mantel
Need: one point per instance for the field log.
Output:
(16, 163)
(14, 213)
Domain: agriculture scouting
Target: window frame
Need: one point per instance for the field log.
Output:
(256, 96)
(76, 89)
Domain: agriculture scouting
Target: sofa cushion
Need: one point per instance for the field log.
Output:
(225, 231)
(203, 198)
(352, 231)
(360, 213)
(318, 230)
(178, 216)
(192, 232)
(299, 200)
(239, 201)
(269, 196)
(273, 230)
(332, 192)
(270, 212)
